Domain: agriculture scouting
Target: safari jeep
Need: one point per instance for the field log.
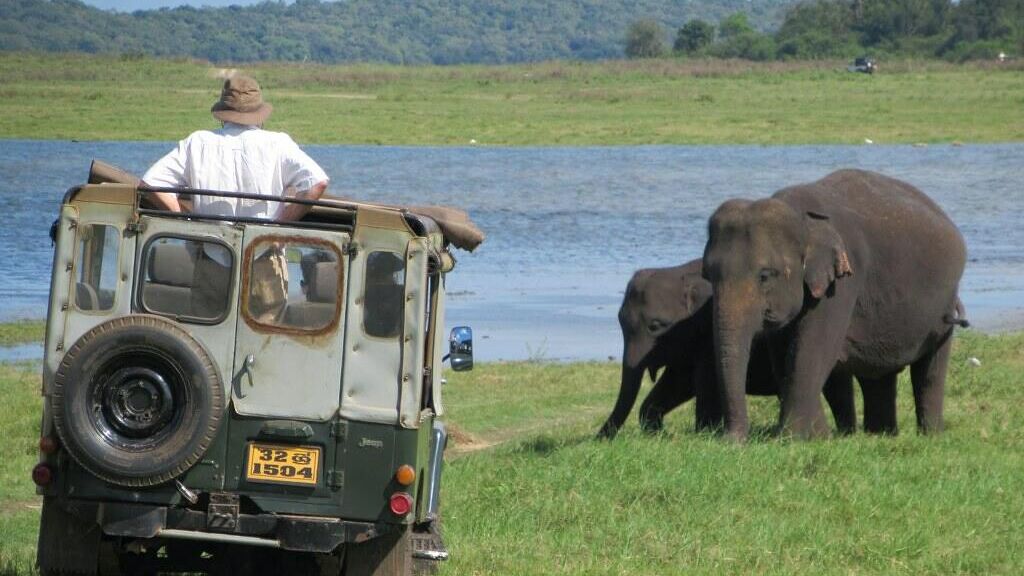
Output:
(189, 430)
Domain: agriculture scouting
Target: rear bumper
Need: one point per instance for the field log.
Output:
(287, 532)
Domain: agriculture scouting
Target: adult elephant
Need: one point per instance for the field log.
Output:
(665, 319)
(856, 272)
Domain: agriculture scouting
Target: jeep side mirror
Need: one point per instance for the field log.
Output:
(460, 348)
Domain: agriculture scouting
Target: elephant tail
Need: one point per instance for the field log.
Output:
(958, 316)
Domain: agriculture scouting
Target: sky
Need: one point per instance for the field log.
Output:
(126, 6)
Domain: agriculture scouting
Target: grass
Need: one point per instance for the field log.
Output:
(557, 103)
(21, 332)
(529, 491)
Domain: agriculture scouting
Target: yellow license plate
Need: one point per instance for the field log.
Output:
(283, 464)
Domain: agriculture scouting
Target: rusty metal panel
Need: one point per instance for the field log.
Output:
(284, 372)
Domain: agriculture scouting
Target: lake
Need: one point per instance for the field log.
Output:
(566, 226)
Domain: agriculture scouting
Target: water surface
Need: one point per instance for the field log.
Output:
(566, 226)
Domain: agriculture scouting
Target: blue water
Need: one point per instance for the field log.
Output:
(566, 226)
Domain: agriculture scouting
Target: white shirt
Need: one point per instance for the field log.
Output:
(236, 158)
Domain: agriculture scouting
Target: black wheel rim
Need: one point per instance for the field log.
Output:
(137, 399)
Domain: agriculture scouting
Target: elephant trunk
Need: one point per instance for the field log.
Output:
(632, 376)
(733, 334)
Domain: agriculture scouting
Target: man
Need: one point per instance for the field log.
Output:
(239, 157)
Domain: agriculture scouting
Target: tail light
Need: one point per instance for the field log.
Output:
(48, 445)
(42, 475)
(400, 504)
(405, 475)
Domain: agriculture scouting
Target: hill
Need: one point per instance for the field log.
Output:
(392, 31)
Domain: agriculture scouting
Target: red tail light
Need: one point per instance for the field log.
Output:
(401, 504)
(42, 475)
(48, 445)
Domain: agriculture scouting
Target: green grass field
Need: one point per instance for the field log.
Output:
(529, 491)
(558, 103)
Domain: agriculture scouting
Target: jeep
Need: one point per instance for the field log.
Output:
(243, 395)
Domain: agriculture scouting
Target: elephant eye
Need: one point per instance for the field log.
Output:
(767, 274)
(655, 326)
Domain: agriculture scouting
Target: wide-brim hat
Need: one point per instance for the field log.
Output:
(241, 102)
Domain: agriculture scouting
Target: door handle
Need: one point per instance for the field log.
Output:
(246, 370)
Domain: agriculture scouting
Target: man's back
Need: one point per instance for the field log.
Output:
(236, 158)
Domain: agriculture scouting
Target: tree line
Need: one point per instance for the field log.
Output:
(820, 29)
(393, 31)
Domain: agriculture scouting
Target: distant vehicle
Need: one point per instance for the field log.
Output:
(863, 64)
(228, 436)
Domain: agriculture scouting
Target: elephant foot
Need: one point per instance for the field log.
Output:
(652, 424)
(607, 431)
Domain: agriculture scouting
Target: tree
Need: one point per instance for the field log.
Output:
(693, 36)
(645, 39)
(736, 24)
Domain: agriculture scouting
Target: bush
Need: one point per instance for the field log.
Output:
(694, 36)
(645, 39)
(980, 50)
(749, 46)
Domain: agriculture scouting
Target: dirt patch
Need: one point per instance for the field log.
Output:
(463, 442)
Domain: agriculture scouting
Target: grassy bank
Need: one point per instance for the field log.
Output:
(528, 491)
(649, 102)
(21, 332)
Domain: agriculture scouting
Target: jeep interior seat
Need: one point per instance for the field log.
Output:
(321, 298)
(168, 288)
(85, 297)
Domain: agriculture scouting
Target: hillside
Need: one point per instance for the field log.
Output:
(393, 31)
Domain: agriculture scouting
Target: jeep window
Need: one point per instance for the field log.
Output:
(385, 294)
(186, 278)
(96, 284)
(293, 285)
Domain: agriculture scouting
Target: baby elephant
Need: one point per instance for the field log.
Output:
(666, 324)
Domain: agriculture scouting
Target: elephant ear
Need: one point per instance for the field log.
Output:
(825, 258)
(696, 294)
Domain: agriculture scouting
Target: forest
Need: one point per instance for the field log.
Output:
(382, 31)
(821, 29)
(512, 31)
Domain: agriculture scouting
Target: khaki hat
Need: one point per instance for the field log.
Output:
(241, 102)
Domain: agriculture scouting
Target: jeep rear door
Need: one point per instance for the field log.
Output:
(288, 347)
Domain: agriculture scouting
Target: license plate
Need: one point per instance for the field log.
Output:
(283, 464)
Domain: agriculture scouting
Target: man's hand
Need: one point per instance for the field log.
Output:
(292, 212)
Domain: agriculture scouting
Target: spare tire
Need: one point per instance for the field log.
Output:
(137, 401)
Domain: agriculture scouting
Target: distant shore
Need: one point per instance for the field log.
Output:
(661, 101)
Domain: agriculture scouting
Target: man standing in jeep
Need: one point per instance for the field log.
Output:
(240, 157)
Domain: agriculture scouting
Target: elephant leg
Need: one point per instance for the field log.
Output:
(813, 355)
(880, 404)
(928, 376)
(628, 390)
(709, 412)
(672, 389)
(839, 395)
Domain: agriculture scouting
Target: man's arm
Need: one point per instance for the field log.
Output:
(292, 212)
(167, 172)
(164, 201)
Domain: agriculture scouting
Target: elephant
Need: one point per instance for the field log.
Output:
(666, 324)
(856, 273)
